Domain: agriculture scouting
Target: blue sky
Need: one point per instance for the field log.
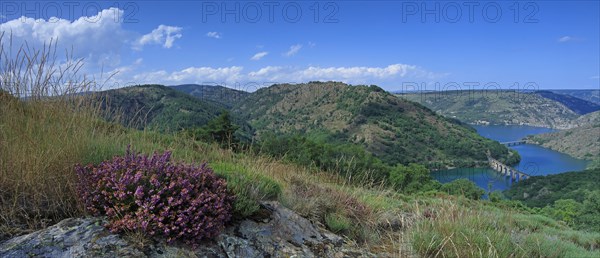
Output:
(399, 45)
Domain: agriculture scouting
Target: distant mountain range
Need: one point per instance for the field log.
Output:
(588, 95)
(539, 108)
(576, 104)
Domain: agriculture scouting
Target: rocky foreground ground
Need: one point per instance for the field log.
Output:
(278, 233)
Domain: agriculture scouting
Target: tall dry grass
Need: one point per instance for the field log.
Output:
(45, 127)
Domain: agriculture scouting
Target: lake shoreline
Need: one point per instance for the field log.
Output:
(535, 160)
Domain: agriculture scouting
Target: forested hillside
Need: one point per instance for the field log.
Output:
(573, 197)
(226, 96)
(393, 129)
(157, 107)
(540, 191)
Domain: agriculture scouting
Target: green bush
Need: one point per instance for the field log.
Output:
(563, 209)
(249, 188)
(412, 178)
(463, 187)
(496, 196)
(589, 215)
(337, 223)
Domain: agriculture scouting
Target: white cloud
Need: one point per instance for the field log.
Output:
(595, 77)
(355, 74)
(311, 44)
(567, 39)
(259, 55)
(564, 39)
(213, 34)
(200, 75)
(97, 38)
(267, 75)
(163, 35)
(265, 71)
(293, 50)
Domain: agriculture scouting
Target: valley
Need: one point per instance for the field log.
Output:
(299, 129)
(374, 127)
(355, 136)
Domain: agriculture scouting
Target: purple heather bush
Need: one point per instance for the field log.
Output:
(154, 195)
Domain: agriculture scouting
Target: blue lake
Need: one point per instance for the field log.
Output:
(535, 160)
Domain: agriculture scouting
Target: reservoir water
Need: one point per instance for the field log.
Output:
(535, 160)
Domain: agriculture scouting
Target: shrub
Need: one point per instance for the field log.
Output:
(156, 196)
(463, 187)
(337, 223)
(563, 209)
(589, 217)
(412, 178)
(496, 196)
(249, 187)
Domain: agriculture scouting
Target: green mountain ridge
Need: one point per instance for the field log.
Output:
(393, 129)
(157, 107)
(226, 96)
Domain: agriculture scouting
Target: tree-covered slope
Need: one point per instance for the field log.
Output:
(539, 191)
(226, 96)
(158, 107)
(498, 107)
(393, 129)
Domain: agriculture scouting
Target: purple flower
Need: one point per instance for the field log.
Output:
(139, 192)
(155, 195)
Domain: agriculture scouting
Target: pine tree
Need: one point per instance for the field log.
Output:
(220, 130)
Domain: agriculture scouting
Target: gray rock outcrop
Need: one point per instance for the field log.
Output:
(280, 233)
